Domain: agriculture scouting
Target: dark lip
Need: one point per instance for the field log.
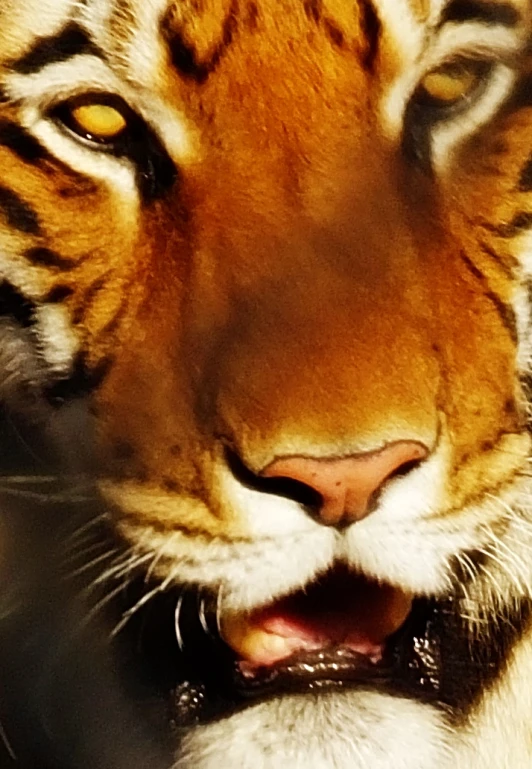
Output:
(335, 666)
(201, 679)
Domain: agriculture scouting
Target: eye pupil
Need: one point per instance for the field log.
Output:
(97, 121)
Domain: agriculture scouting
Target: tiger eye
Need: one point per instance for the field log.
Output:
(449, 85)
(99, 121)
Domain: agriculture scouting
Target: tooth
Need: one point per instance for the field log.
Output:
(256, 645)
(264, 648)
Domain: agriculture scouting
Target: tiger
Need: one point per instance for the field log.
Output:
(279, 252)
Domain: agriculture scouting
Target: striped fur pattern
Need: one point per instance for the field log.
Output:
(290, 252)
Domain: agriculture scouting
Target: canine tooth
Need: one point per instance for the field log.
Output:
(263, 648)
(256, 645)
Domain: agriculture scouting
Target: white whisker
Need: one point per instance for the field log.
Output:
(160, 588)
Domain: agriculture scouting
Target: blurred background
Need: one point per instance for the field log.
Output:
(68, 699)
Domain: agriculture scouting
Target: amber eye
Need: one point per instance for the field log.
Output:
(452, 84)
(98, 118)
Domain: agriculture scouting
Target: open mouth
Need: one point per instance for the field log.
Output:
(334, 632)
(343, 631)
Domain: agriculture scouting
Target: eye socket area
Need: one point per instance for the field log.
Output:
(453, 85)
(99, 118)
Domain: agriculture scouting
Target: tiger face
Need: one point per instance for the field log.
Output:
(282, 251)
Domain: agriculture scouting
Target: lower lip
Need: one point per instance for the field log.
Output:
(306, 671)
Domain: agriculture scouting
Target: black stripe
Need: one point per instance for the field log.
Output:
(28, 149)
(184, 57)
(113, 323)
(500, 261)
(58, 294)
(71, 41)
(505, 311)
(471, 664)
(19, 214)
(506, 314)
(521, 222)
(334, 33)
(521, 97)
(89, 297)
(485, 12)
(45, 257)
(14, 305)
(83, 380)
(525, 177)
(416, 142)
(21, 143)
(371, 30)
(313, 10)
(473, 269)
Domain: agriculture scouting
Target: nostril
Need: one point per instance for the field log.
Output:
(290, 489)
(399, 472)
(280, 486)
(404, 469)
(334, 491)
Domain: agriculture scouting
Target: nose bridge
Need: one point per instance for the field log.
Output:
(324, 347)
(323, 312)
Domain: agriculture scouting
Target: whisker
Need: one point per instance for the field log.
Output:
(95, 561)
(44, 497)
(160, 588)
(22, 479)
(86, 526)
(7, 744)
(125, 565)
(100, 605)
(86, 547)
(177, 622)
(219, 610)
(202, 601)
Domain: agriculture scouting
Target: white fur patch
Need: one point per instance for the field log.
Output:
(57, 341)
(355, 730)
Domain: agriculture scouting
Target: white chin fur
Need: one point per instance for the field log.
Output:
(348, 730)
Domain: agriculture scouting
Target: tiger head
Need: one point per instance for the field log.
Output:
(282, 250)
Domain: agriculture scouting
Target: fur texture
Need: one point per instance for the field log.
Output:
(311, 239)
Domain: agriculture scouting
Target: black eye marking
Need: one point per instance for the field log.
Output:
(71, 41)
(156, 172)
(502, 14)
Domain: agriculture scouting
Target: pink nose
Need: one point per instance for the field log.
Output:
(347, 486)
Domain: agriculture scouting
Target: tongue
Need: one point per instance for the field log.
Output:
(337, 611)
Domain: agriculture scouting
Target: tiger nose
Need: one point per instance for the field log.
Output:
(346, 487)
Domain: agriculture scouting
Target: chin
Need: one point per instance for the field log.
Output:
(353, 729)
